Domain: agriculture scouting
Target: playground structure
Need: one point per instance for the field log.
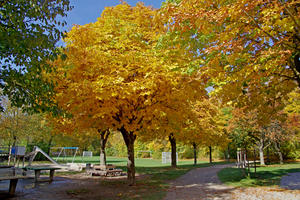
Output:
(18, 153)
(68, 166)
(35, 151)
(64, 152)
(241, 158)
(87, 154)
(12, 153)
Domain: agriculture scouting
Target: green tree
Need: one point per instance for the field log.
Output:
(20, 128)
(29, 31)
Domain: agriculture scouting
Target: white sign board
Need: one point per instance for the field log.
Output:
(18, 150)
(166, 157)
(87, 154)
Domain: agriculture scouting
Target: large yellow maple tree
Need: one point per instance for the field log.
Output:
(115, 76)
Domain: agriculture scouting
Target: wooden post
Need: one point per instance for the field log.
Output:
(12, 186)
(247, 162)
(51, 174)
(254, 162)
(37, 175)
(9, 155)
(238, 157)
(245, 159)
(14, 146)
(242, 157)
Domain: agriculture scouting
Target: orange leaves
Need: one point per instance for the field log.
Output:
(247, 46)
(205, 124)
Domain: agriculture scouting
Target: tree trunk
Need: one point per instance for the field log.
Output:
(10, 151)
(277, 147)
(103, 139)
(195, 153)
(268, 155)
(49, 144)
(228, 153)
(210, 155)
(129, 138)
(172, 140)
(297, 66)
(261, 152)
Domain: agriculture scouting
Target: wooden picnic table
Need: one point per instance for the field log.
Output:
(105, 170)
(38, 169)
(13, 182)
(104, 167)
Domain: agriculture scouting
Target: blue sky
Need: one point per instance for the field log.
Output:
(87, 11)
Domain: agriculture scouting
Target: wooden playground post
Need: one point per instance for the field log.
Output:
(254, 160)
(247, 162)
(238, 157)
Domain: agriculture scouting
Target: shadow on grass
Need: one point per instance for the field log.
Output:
(168, 172)
(265, 176)
(151, 185)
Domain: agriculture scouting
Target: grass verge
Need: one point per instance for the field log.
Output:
(265, 175)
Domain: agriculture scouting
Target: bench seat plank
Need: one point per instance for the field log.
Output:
(38, 169)
(4, 178)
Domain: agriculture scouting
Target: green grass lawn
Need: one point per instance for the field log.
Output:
(265, 176)
(142, 165)
(139, 162)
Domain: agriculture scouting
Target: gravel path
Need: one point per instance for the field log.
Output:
(200, 183)
(291, 181)
(203, 183)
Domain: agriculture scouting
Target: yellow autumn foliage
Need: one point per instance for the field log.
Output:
(115, 77)
(249, 49)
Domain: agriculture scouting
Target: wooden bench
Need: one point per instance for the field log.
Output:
(114, 172)
(6, 166)
(111, 172)
(13, 182)
(37, 171)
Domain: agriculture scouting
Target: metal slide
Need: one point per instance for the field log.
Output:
(36, 150)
